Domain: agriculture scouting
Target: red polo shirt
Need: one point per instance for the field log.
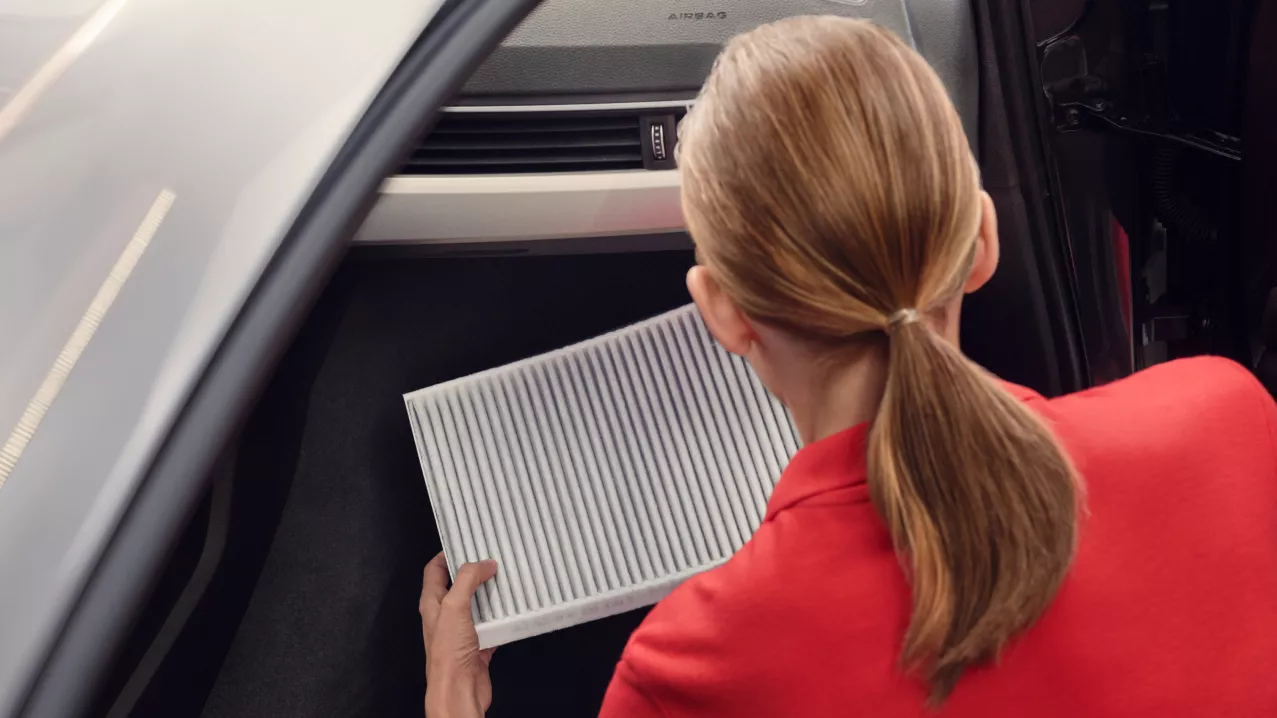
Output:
(1169, 610)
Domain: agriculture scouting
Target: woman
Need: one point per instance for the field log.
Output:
(944, 542)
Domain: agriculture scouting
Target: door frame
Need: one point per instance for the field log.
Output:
(461, 35)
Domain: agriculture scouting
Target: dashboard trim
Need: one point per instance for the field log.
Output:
(472, 209)
(578, 107)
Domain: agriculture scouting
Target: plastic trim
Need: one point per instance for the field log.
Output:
(494, 208)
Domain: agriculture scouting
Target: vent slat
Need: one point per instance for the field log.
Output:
(515, 161)
(601, 475)
(434, 144)
(529, 154)
(480, 125)
(514, 143)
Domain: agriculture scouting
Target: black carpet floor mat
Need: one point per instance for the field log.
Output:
(331, 628)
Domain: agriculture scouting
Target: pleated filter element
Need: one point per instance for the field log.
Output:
(600, 476)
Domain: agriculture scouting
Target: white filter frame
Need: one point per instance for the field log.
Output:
(601, 475)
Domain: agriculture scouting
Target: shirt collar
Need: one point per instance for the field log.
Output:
(837, 462)
(834, 462)
(1024, 394)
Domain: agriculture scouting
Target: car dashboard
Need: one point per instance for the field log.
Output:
(567, 131)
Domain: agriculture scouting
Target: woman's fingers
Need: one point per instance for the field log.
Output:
(434, 582)
(468, 579)
(434, 586)
(437, 599)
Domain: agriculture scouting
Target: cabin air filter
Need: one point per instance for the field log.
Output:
(600, 476)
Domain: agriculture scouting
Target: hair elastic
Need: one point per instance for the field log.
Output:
(902, 316)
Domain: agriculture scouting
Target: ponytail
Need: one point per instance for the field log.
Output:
(979, 498)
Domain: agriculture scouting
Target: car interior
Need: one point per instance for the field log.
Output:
(542, 208)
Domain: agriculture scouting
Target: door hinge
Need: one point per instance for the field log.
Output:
(1080, 100)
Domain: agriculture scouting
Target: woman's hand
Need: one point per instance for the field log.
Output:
(457, 682)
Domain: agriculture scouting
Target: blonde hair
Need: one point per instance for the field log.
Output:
(829, 187)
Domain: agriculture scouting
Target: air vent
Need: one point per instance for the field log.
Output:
(465, 143)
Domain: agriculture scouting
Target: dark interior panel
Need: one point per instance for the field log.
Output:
(1157, 175)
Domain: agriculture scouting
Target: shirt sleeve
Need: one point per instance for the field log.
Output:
(1263, 401)
(626, 697)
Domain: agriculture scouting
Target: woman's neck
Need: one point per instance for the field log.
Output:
(826, 400)
(828, 394)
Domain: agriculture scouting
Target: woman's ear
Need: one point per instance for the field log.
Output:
(725, 320)
(987, 250)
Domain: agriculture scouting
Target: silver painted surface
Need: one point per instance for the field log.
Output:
(493, 208)
(30, 32)
(234, 106)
